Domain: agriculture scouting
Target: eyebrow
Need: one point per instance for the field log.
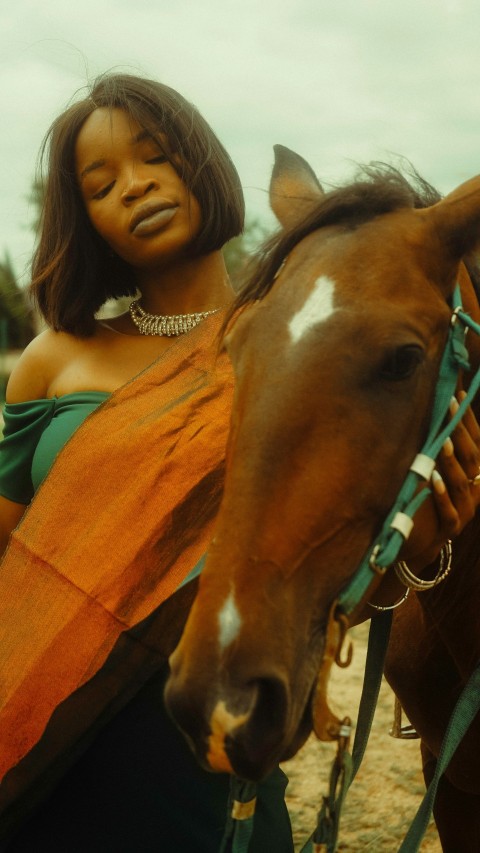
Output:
(143, 134)
(97, 164)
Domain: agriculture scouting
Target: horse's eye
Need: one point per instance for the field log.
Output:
(401, 362)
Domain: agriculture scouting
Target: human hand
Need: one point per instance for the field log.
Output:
(455, 493)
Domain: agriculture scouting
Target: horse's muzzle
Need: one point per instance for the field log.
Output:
(240, 729)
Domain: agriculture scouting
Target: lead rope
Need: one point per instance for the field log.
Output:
(242, 799)
(324, 838)
(240, 813)
(344, 768)
(464, 713)
(325, 835)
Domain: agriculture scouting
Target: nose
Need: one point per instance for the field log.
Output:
(137, 187)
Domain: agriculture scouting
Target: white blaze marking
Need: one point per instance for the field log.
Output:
(229, 621)
(317, 308)
(222, 723)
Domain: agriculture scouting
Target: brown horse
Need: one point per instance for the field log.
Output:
(336, 351)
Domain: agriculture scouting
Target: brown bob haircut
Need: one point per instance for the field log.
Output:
(73, 270)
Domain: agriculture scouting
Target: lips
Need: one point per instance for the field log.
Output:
(151, 215)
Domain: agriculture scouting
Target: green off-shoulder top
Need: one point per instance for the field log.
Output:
(34, 432)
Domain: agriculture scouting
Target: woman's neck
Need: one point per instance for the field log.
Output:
(197, 284)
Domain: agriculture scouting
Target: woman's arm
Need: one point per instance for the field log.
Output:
(31, 376)
(28, 381)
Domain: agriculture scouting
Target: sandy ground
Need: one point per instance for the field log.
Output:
(388, 788)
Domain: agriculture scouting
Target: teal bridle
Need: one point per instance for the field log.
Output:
(384, 551)
(399, 522)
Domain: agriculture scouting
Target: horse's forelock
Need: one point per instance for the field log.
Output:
(380, 188)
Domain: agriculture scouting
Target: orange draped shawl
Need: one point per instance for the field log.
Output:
(124, 515)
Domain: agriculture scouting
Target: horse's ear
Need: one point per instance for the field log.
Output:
(456, 219)
(294, 188)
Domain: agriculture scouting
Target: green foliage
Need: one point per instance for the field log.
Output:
(238, 251)
(16, 324)
(35, 198)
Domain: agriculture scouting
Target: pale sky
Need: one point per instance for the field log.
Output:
(339, 81)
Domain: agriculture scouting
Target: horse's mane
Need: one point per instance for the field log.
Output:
(377, 189)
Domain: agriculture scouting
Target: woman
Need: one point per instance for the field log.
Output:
(140, 196)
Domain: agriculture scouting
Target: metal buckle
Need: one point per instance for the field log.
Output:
(379, 570)
(455, 313)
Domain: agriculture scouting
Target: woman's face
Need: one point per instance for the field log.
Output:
(133, 195)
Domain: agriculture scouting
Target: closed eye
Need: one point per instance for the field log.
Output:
(401, 362)
(160, 159)
(104, 191)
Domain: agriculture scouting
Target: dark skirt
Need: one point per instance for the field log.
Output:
(138, 789)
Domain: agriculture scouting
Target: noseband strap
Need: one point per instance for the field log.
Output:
(399, 522)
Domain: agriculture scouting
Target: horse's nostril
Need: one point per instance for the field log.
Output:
(251, 739)
(269, 711)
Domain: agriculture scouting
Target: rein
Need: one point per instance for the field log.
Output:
(384, 551)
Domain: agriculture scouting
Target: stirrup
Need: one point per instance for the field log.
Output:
(398, 731)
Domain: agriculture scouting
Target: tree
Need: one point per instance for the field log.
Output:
(238, 251)
(16, 320)
(36, 197)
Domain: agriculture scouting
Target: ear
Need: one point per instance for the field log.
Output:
(456, 220)
(294, 188)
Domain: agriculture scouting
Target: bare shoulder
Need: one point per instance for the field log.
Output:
(38, 365)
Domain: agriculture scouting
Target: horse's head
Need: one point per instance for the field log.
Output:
(336, 346)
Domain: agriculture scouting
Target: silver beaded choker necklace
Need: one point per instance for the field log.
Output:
(165, 324)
